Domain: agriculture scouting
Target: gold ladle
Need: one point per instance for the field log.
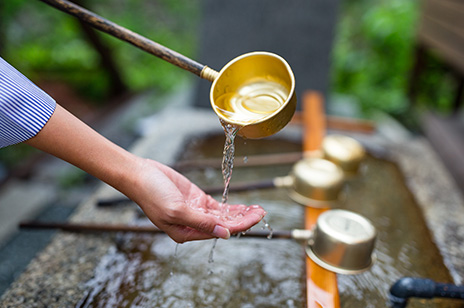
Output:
(255, 91)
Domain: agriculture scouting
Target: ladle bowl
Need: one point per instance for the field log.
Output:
(255, 91)
(343, 242)
(344, 151)
(316, 182)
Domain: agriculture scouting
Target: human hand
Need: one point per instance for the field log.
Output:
(170, 200)
(183, 210)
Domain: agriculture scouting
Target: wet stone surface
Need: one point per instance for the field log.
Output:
(67, 272)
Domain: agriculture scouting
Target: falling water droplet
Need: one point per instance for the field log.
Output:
(211, 253)
(176, 251)
(268, 227)
(176, 260)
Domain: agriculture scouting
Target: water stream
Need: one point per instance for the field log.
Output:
(227, 165)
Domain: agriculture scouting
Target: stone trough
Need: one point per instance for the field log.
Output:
(95, 270)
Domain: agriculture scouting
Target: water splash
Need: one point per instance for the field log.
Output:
(268, 226)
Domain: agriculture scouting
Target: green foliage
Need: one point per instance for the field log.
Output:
(437, 85)
(11, 156)
(45, 43)
(373, 52)
(74, 177)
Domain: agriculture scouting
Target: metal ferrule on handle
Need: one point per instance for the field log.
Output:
(209, 74)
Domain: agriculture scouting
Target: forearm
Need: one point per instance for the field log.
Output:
(169, 199)
(68, 138)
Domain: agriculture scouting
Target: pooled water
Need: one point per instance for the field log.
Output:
(252, 102)
(148, 271)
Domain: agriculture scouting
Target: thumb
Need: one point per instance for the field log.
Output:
(205, 223)
(221, 232)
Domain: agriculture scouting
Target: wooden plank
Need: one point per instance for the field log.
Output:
(447, 33)
(449, 13)
(451, 1)
(459, 2)
(321, 285)
(442, 29)
(437, 39)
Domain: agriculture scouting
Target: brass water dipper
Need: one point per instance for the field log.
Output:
(255, 91)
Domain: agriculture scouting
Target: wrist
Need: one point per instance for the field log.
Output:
(122, 171)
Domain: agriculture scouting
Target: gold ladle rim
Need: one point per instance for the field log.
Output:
(216, 77)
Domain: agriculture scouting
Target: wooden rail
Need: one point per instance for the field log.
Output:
(341, 123)
(321, 284)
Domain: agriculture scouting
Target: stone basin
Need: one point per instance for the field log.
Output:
(75, 269)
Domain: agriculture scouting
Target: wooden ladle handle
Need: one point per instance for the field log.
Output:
(133, 38)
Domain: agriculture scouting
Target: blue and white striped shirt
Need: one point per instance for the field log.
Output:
(24, 108)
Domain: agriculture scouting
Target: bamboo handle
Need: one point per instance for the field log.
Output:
(133, 38)
(295, 234)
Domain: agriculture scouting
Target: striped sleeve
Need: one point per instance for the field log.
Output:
(24, 108)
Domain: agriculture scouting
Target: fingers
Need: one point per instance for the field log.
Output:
(219, 224)
(202, 221)
(201, 231)
(190, 224)
(252, 216)
(182, 234)
(186, 213)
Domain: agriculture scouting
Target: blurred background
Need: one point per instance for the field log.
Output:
(362, 55)
(403, 59)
